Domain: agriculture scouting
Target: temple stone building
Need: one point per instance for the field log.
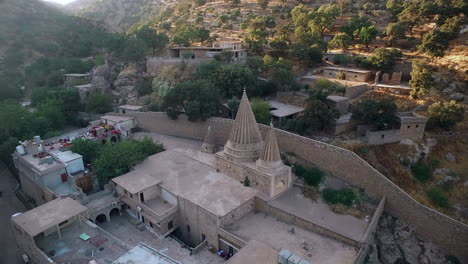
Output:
(247, 158)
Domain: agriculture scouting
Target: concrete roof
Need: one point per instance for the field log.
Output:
(67, 156)
(131, 107)
(255, 252)
(411, 117)
(77, 74)
(346, 69)
(393, 86)
(283, 110)
(142, 254)
(136, 181)
(43, 217)
(84, 86)
(196, 181)
(117, 118)
(336, 98)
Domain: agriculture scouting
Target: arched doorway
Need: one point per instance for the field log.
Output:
(114, 212)
(101, 219)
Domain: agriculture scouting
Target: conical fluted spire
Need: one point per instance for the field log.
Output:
(209, 145)
(245, 129)
(245, 140)
(270, 151)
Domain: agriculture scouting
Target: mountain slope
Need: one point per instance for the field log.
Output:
(32, 28)
(117, 15)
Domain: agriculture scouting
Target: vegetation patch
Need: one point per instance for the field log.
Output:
(438, 197)
(345, 196)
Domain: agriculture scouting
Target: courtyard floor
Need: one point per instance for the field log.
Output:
(120, 227)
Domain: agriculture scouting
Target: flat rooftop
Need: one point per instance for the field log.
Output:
(136, 181)
(40, 165)
(43, 217)
(269, 230)
(346, 69)
(143, 254)
(293, 201)
(83, 86)
(77, 74)
(70, 248)
(117, 119)
(255, 252)
(196, 181)
(337, 98)
(282, 110)
(131, 107)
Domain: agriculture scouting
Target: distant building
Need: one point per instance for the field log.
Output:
(239, 54)
(124, 109)
(77, 76)
(331, 56)
(348, 74)
(282, 112)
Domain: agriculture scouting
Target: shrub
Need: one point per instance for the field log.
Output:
(446, 115)
(299, 170)
(343, 196)
(438, 197)
(453, 259)
(422, 171)
(314, 176)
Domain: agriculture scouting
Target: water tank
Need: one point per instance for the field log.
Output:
(20, 149)
(37, 139)
(284, 256)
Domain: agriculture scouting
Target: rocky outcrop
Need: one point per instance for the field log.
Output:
(395, 243)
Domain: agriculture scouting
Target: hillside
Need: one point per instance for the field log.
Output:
(32, 28)
(117, 15)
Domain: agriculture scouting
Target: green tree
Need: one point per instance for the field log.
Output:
(356, 23)
(231, 79)
(257, 35)
(52, 110)
(340, 41)
(435, 43)
(98, 103)
(261, 110)
(154, 40)
(446, 115)
(89, 149)
(324, 18)
(233, 104)
(395, 7)
(202, 35)
(198, 99)
(383, 59)
(396, 31)
(367, 35)
(319, 112)
(421, 78)
(135, 50)
(380, 113)
(263, 4)
(452, 26)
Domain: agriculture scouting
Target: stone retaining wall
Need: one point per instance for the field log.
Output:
(428, 224)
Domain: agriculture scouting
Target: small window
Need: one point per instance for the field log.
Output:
(151, 224)
(355, 76)
(125, 191)
(169, 225)
(409, 126)
(382, 136)
(188, 228)
(203, 237)
(417, 126)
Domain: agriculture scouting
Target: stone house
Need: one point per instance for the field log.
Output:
(348, 74)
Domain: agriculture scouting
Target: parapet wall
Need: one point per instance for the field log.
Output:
(428, 224)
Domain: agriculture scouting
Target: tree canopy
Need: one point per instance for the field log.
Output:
(380, 113)
(421, 78)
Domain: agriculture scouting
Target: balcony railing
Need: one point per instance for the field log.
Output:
(149, 211)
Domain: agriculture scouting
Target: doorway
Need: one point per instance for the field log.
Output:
(142, 198)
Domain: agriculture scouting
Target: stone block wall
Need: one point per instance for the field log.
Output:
(354, 91)
(428, 224)
(383, 137)
(238, 213)
(414, 131)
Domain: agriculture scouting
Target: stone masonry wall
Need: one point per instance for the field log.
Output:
(237, 213)
(428, 224)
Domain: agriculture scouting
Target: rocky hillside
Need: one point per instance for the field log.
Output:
(117, 15)
(395, 243)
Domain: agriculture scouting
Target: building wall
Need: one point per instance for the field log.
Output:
(413, 131)
(237, 213)
(28, 246)
(428, 224)
(39, 194)
(349, 76)
(354, 91)
(383, 137)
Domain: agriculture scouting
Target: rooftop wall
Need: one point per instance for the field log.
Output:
(428, 224)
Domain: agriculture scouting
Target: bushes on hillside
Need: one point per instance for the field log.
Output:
(446, 115)
(422, 171)
(438, 197)
(344, 196)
